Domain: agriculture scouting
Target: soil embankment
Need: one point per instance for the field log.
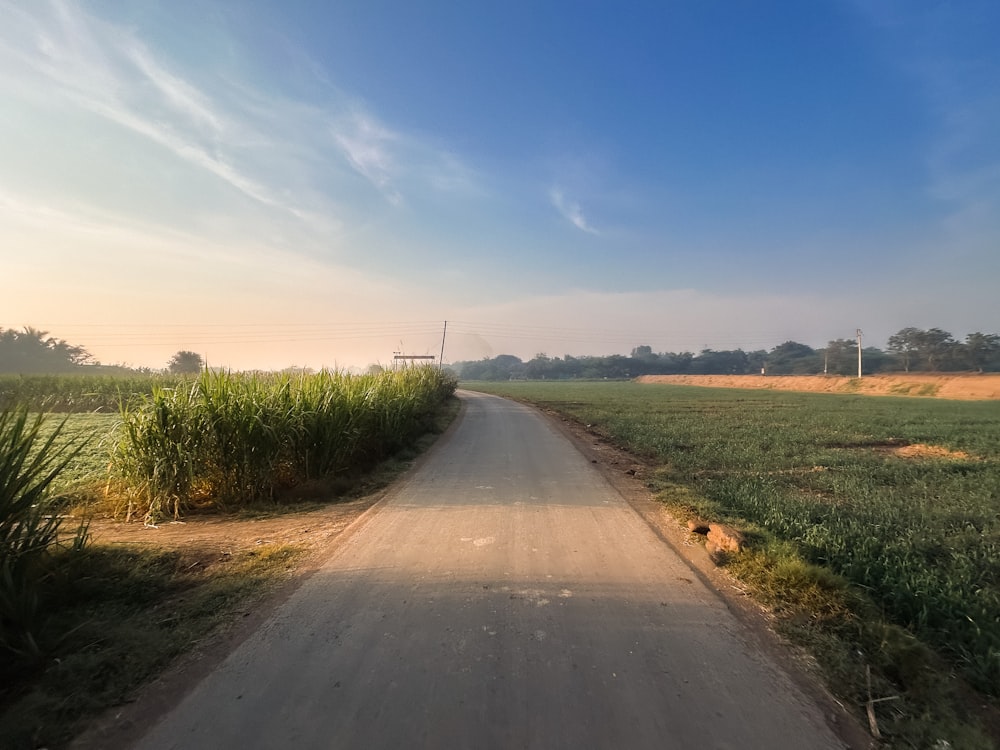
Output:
(953, 386)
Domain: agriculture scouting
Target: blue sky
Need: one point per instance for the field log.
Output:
(313, 183)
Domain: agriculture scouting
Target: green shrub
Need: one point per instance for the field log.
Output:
(29, 529)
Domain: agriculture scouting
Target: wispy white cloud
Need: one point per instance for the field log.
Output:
(397, 164)
(184, 98)
(571, 211)
(106, 70)
(367, 146)
(293, 157)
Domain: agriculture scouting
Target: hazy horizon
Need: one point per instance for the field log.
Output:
(471, 341)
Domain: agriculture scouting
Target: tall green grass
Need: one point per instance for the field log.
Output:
(231, 440)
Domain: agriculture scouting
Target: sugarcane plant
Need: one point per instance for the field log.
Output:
(30, 527)
(227, 440)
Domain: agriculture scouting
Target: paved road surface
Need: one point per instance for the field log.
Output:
(504, 597)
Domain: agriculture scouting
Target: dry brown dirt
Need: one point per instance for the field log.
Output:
(228, 535)
(922, 450)
(965, 386)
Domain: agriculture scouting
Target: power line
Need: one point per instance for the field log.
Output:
(98, 334)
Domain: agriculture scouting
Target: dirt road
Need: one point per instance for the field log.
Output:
(504, 596)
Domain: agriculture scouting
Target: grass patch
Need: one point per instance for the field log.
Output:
(872, 560)
(119, 615)
(915, 389)
(83, 480)
(851, 386)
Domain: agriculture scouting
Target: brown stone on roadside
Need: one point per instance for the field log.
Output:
(697, 526)
(717, 555)
(725, 537)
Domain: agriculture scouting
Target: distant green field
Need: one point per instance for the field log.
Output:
(94, 434)
(80, 393)
(89, 405)
(920, 532)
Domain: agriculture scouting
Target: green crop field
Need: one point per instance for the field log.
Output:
(80, 393)
(94, 435)
(899, 496)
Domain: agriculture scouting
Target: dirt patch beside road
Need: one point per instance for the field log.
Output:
(952, 386)
(230, 535)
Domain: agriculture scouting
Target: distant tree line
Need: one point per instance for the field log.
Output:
(909, 350)
(33, 352)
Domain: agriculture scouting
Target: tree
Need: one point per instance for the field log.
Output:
(642, 352)
(874, 360)
(710, 362)
(757, 361)
(572, 367)
(904, 344)
(982, 350)
(932, 349)
(644, 361)
(616, 366)
(671, 363)
(935, 347)
(841, 357)
(34, 351)
(792, 357)
(186, 363)
(540, 367)
(501, 367)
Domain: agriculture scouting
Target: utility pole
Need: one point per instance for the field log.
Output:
(859, 353)
(444, 333)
